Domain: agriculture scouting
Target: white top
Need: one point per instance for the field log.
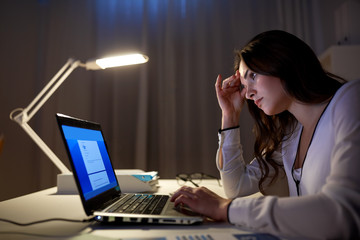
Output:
(297, 174)
(329, 206)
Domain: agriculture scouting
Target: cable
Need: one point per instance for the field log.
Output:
(44, 236)
(48, 220)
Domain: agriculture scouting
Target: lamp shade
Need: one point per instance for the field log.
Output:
(116, 61)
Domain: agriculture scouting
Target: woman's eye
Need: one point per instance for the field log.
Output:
(253, 75)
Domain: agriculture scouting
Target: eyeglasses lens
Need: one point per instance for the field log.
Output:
(196, 177)
(182, 178)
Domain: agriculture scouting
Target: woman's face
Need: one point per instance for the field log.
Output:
(267, 92)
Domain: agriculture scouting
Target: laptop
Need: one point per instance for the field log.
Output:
(98, 186)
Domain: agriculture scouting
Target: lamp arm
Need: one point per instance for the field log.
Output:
(49, 89)
(24, 116)
(58, 163)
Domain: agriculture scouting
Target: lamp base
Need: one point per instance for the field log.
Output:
(129, 181)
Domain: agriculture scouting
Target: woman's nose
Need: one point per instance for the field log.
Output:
(250, 93)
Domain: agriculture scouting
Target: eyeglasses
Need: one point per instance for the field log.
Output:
(194, 178)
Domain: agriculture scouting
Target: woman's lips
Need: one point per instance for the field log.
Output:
(257, 102)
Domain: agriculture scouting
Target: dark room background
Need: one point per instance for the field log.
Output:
(162, 115)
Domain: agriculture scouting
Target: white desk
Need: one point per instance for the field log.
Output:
(48, 204)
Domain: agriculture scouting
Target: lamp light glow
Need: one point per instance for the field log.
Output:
(116, 61)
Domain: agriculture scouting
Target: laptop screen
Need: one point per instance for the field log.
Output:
(90, 159)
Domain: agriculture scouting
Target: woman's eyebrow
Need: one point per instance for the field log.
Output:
(245, 75)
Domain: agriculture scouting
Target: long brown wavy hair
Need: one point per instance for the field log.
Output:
(283, 55)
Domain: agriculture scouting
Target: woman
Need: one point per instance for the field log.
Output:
(307, 127)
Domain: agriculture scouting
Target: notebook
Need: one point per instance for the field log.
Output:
(98, 186)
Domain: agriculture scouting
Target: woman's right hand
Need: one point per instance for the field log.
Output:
(203, 201)
(231, 99)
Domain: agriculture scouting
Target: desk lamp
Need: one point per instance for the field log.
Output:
(24, 115)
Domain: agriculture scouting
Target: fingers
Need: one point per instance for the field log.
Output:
(187, 195)
(233, 81)
(190, 196)
(183, 196)
(183, 191)
(202, 201)
(218, 83)
(229, 83)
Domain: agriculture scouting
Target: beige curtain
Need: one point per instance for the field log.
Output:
(159, 116)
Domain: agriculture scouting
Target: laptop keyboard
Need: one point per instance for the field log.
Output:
(140, 204)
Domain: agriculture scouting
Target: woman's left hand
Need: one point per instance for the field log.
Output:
(203, 201)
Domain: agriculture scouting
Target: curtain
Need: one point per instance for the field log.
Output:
(162, 115)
